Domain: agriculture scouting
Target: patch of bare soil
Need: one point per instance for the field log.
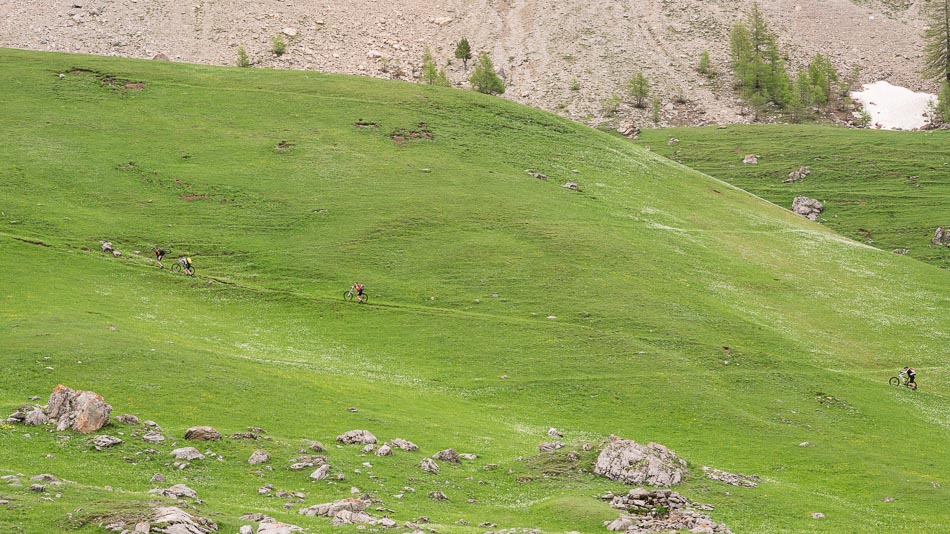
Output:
(421, 132)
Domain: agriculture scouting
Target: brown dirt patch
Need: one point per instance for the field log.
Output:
(420, 133)
(192, 198)
(284, 146)
(366, 124)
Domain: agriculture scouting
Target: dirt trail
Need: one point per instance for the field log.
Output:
(540, 46)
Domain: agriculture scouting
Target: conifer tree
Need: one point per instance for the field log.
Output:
(463, 51)
(937, 36)
(639, 89)
(484, 79)
(429, 73)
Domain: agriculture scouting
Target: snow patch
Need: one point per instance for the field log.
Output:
(894, 108)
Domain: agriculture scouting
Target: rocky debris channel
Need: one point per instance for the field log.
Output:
(661, 511)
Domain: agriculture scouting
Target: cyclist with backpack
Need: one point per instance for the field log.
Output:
(911, 374)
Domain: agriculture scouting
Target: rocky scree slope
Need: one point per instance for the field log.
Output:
(539, 49)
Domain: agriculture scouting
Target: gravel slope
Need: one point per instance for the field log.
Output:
(540, 46)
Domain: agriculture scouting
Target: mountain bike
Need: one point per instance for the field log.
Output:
(351, 294)
(902, 380)
(179, 267)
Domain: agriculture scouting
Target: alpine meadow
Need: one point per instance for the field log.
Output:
(512, 319)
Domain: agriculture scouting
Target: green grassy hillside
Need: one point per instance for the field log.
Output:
(657, 304)
(886, 189)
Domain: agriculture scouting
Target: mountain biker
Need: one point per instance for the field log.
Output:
(911, 375)
(186, 265)
(358, 287)
(159, 254)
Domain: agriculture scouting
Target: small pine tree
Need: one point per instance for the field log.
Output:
(612, 104)
(639, 89)
(278, 46)
(242, 59)
(429, 73)
(484, 79)
(759, 105)
(575, 85)
(943, 103)
(463, 51)
(655, 111)
(822, 78)
(704, 68)
(441, 79)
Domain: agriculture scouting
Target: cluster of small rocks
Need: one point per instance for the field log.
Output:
(733, 479)
(808, 207)
(661, 511)
(628, 129)
(347, 512)
(941, 236)
(266, 525)
(107, 247)
(798, 175)
(164, 520)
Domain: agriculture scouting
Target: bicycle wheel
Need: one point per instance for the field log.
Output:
(347, 296)
(176, 268)
(912, 386)
(894, 381)
(365, 298)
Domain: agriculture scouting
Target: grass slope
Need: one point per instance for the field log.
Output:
(886, 189)
(650, 274)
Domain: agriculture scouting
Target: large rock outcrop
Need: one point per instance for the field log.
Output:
(83, 411)
(629, 462)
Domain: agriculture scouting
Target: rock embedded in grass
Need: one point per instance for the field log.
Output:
(35, 417)
(202, 433)
(448, 455)
(550, 446)
(321, 472)
(174, 520)
(259, 457)
(385, 450)
(429, 466)
(177, 491)
(128, 419)
(405, 445)
(438, 496)
(809, 208)
(315, 446)
(105, 442)
(357, 437)
(187, 453)
(153, 437)
(733, 479)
